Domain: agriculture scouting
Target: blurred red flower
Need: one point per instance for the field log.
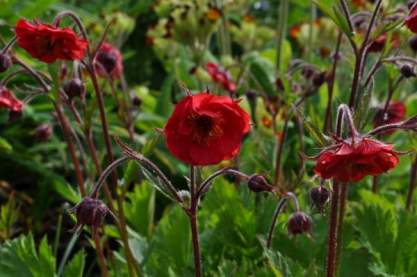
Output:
(206, 129)
(9, 101)
(350, 161)
(221, 76)
(109, 61)
(411, 20)
(48, 43)
(395, 113)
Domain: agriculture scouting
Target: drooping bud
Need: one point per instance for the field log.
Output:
(136, 101)
(378, 44)
(299, 223)
(109, 61)
(319, 197)
(319, 78)
(413, 43)
(5, 62)
(43, 132)
(74, 88)
(407, 71)
(91, 212)
(258, 183)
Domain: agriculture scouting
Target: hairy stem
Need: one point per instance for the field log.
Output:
(332, 237)
(278, 210)
(100, 254)
(411, 185)
(193, 216)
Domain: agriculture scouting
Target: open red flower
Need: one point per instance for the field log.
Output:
(48, 43)
(9, 101)
(395, 113)
(221, 76)
(206, 129)
(109, 61)
(411, 20)
(351, 161)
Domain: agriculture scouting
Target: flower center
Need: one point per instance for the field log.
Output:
(205, 128)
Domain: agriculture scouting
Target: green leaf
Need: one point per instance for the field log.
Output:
(140, 209)
(261, 72)
(75, 267)
(164, 106)
(19, 257)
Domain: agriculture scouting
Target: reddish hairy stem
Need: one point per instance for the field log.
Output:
(341, 217)
(411, 185)
(332, 237)
(99, 250)
(193, 216)
(67, 136)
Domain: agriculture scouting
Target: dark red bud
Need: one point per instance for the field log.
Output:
(413, 43)
(407, 71)
(410, 4)
(5, 62)
(319, 78)
(299, 223)
(319, 197)
(258, 183)
(136, 101)
(91, 212)
(107, 60)
(308, 72)
(74, 88)
(14, 115)
(251, 95)
(43, 132)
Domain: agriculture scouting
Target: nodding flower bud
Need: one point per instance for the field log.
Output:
(299, 223)
(136, 101)
(319, 197)
(319, 78)
(251, 95)
(91, 212)
(43, 132)
(407, 71)
(412, 43)
(258, 183)
(74, 88)
(410, 4)
(5, 62)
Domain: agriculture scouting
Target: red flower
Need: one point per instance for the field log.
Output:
(350, 161)
(411, 20)
(9, 101)
(221, 76)
(378, 44)
(48, 43)
(109, 61)
(206, 129)
(395, 113)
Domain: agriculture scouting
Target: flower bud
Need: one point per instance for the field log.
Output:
(407, 71)
(413, 43)
(108, 60)
(299, 223)
(91, 212)
(319, 78)
(136, 101)
(5, 62)
(319, 197)
(43, 132)
(258, 183)
(378, 44)
(74, 88)
(186, 198)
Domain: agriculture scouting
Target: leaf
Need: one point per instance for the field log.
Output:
(5, 146)
(328, 7)
(75, 267)
(19, 257)
(171, 245)
(262, 77)
(140, 209)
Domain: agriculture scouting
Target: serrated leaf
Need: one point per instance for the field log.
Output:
(75, 267)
